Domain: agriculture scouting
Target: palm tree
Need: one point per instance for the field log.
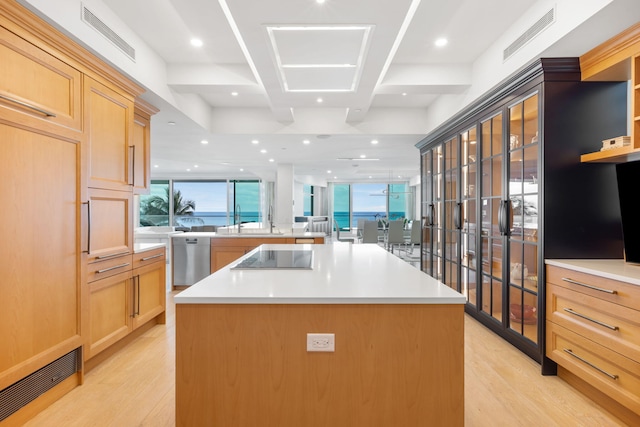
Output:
(159, 206)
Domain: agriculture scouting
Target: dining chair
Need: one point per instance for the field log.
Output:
(360, 230)
(415, 237)
(395, 235)
(370, 232)
(349, 239)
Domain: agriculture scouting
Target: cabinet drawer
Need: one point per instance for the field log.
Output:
(610, 372)
(148, 257)
(606, 289)
(108, 267)
(614, 326)
(37, 89)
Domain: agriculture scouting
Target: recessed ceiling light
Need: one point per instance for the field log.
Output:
(156, 166)
(263, 151)
(188, 170)
(204, 141)
(319, 100)
(306, 142)
(196, 42)
(329, 171)
(320, 1)
(241, 169)
(195, 166)
(271, 160)
(255, 141)
(363, 156)
(404, 93)
(441, 42)
(374, 141)
(370, 177)
(234, 93)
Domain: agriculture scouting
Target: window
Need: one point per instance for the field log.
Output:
(200, 203)
(245, 196)
(155, 206)
(307, 201)
(342, 204)
(369, 202)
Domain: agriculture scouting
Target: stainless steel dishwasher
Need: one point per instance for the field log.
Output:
(191, 259)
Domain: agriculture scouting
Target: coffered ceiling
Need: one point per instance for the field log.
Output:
(306, 83)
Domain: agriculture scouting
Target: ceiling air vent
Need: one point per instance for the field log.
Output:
(92, 20)
(532, 32)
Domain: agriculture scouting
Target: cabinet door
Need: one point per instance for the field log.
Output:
(109, 224)
(523, 198)
(110, 311)
(467, 212)
(37, 89)
(149, 294)
(39, 271)
(140, 154)
(451, 210)
(432, 237)
(109, 126)
(492, 241)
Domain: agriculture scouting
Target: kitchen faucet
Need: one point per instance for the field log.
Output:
(238, 217)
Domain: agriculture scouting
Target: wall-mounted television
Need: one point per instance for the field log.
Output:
(628, 176)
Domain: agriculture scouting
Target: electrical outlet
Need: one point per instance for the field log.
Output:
(321, 342)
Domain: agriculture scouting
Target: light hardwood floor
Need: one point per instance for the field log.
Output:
(502, 388)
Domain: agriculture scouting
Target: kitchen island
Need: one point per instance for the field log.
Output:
(241, 344)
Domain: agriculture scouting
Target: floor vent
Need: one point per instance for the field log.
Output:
(528, 35)
(29, 388)
(93, 21)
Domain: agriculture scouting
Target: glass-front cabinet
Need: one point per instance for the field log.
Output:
(502, 168)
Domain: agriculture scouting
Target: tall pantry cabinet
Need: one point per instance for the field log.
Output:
(503, 189)
(67, 170)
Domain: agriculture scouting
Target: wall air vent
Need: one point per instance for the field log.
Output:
(93, 21)
(29, 388)
(528, 35)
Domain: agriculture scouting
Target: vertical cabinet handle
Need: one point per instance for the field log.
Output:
(88, 203)
(132, 165)
(135, 309)
(503, 217)
(457, 216)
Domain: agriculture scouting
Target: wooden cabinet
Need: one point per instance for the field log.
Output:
(40, 267)
(141, 148)
(617, 59)
(109, 118)
(593, 332)
(149, 287)
(37, 89)
(109, 312)
(125, 293)
(495, 179)
(66, 128)
(109, 224)
(225, 250)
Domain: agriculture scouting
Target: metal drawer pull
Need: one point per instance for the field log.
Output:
(595, 288)
(571, 353)
(590, 319)
(113, 268)
(151, 257)
(29, 106)
(112, 255)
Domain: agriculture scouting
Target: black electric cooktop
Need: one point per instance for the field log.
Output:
(299, 259)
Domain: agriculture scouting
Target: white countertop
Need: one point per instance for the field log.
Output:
(341, 274)
(143, 247)
(616, 269)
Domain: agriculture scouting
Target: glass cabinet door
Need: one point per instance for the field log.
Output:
(432, 257)
(467, 222)
(491, 251)
(451, 214)
(523, 228)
